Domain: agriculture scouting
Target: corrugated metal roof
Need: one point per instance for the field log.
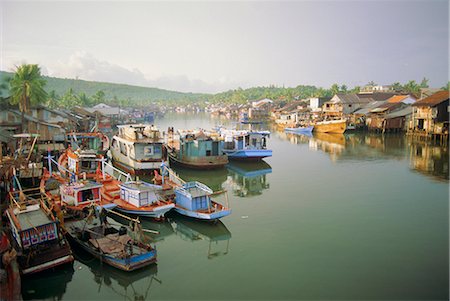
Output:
(366, 109)
(400, 113)
(432, 100)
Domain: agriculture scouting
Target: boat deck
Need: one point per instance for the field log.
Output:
(32, 219)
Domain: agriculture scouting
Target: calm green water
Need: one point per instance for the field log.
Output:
(345, 217)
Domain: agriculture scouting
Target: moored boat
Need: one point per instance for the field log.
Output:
(198, 150)
(300, 129)
(143, 199)
(331, 126)
(110, 244)
(245, 145)
(35, 233)
(193, 199)
(138, 148)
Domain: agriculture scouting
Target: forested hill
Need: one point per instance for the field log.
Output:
(119, 91)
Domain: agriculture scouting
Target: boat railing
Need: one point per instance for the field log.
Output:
(198, 185)
(105, 164)
(50, 160)
(173, 177)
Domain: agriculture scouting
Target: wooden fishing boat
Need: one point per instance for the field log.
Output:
(84, 154)
(331, 126)
(28, 163)
(197, 150)
(109, 243)
(138, 148)
(143, 199)
(245, 145)
(300, 129)
(35, 233)
(193, 199)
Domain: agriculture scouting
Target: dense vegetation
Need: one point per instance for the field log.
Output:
(71, 92)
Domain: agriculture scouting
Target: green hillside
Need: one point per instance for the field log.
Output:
(136, 94)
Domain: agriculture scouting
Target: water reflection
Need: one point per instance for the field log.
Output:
(217, 234)
(47, 285)
(212, 178)
(120, 284)
(430, 160)
(426, 158)
(248, 179)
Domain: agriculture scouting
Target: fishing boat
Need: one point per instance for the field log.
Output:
(300, 129)
(142, 199)
(245, 145)
(35, 233)
(331, 126)
(193, 199)
(196, 149)
(84, 154)
(109, 243)
(138, 148)
(27, 161)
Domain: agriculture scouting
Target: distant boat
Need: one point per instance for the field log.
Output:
(138, 148)
(300, 129)
(143, 199)
(110, 244)
(245, 145)
(193, 199)
(331, 126)
(196, 149)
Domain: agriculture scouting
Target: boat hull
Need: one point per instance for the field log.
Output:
(212, 162)
(127, 264)
(248, 154)
(203, 216)
(132, 171)
(331, 127)
(300, 130)
(156, 213)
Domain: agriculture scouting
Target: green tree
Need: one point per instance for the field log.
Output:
(344, 88)
(98, 97)
(356, 89)
(412, 88)
(371, 83)
(334, 89)
(397, 87)
(424, 83)
(27, 88)
(53, 100)
(447, 87)
(70, 99)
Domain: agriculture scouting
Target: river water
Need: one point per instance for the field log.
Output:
(328, 217)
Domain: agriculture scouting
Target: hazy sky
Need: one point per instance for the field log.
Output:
(215, 46)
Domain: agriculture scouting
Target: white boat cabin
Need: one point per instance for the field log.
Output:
(80, 193)
(238, 140)
(139, 194)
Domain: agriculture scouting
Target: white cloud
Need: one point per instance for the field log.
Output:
(85, 66)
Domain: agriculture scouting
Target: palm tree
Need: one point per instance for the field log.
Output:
(26, 88)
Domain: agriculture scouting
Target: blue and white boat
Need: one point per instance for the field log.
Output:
(300, 130)
(245, 145)
(110, 244)
(193, 199)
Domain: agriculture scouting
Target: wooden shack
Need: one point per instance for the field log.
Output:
(430, 118)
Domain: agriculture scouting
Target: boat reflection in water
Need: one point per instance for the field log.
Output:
(120, 284)
(248, 178)
(47, 285)
(334, 144)
(211, 178)
(217, 234)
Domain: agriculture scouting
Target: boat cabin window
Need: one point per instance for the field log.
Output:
(87, 165)
(87, 195)
(123, 148)
(208, 153)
